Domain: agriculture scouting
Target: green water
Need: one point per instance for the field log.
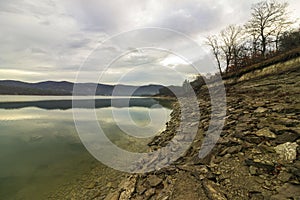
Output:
(40, 150)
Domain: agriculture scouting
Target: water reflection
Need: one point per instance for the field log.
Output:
(40, 150)
(86, 103)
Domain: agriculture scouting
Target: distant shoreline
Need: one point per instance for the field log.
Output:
(51, 103)
(64, 88)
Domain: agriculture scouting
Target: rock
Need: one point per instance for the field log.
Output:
(109, 184)
(284, 176)
(91, 185)
(260, 110)
(202, 169)
(287, 191)
(212, 191)
(288, 122)
(265, 132)
(256, 196)
(294, 168)
(149, 193)
(113, 196)
(286, 137)
(296, 130)
(266, 166)
(234, 149)
(252, 170)
(154, 180)
(287, 151)
(277, 128)
(251, 139)
(227, 155)
(268, 183)
(140, 188)
(127, 187)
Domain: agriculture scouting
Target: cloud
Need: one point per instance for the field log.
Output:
(51, 39)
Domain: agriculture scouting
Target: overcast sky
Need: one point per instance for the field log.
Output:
(50, 39)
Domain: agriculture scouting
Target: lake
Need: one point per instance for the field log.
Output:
(40, 150)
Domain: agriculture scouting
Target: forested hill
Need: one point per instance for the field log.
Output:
(12, 87)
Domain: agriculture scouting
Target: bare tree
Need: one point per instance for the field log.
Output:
(213, 42)
(269, 19)
(231, 37)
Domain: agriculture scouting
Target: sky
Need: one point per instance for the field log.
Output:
(54, 39)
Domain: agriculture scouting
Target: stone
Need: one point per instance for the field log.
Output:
(268, 183)
(263, 164)
(287, 151)
(284, 176)
(260, 110)
(256, 196)
(154, 180)
(234, 149)
(286, 137)
(227, 155)
(149, 193)
(296, 130)
(91, 185)
(258, 104)
(140, 189)
(213, 191)
(252, 170)
(265, 132)
(113, 196)
(277, 128)
(127, 187)
(287, 191)
(109, 184)
(288, 122)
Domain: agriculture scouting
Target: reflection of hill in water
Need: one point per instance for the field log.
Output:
(87, 103)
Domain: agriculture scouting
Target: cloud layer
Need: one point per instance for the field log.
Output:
(51, 39)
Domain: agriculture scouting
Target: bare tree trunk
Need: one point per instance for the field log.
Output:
(219, 65)
(263, 43)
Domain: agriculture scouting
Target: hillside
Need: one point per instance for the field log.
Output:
(257, 156)
(11, 87)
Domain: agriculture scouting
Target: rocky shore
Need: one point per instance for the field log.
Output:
(256, 157)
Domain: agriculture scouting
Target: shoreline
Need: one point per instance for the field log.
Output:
(90, 185)
(255, 158)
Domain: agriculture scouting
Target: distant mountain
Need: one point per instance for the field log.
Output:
(11, 87)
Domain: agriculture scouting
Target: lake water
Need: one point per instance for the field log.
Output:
(40, 150)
